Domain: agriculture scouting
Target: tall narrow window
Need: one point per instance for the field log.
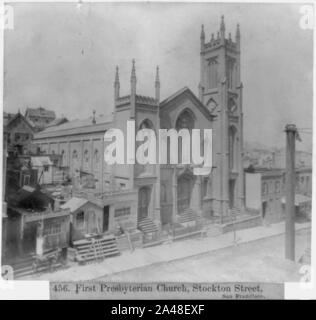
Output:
(232, 147)
(212, 73)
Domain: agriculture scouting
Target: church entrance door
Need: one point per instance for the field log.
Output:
(231, 193)
(143, 202)
(184, 193)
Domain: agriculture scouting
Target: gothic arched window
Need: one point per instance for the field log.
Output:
(146, 124)
(184, 121)
(96, 156)
(75, 155)
(212, 73)
(232, 133)
(86, 156)
(63, 158)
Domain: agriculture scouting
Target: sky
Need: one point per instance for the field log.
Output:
(62, 57)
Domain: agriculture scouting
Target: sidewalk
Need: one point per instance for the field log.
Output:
(142, 257)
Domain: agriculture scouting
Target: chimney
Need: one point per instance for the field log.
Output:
(222, 30)
(116, 85)
(202, 37)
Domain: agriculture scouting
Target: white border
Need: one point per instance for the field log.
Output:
(35, 290)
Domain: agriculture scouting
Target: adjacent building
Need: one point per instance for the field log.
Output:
(264, 192)
(40, 117)
(19, 133)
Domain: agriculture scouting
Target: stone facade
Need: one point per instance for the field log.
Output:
(161, 192)
(220, 90)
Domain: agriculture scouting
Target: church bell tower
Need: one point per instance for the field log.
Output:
(220, 90)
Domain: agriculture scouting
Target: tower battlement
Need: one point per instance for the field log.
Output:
(220, 39)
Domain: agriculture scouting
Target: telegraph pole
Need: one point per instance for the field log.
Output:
(291, 134)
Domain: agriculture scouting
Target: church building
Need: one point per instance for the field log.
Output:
(160, 195)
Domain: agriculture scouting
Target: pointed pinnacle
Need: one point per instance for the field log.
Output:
(133, 75)
(117, 78)
(157, 75)
(202, 32)
(238, 31)
(222, 23)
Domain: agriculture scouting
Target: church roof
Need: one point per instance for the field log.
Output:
(185, 91)
(57, 122)
(139, 99)
(102, 122)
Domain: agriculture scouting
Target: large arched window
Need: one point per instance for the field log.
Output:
(146, 124)
(232, 133)
(184, 121)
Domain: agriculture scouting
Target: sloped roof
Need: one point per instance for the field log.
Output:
(141, 99)
(26, 192)
(74, 203)
(145, 99)
(57, 122)
(76, 126)
(10, 117)
(7, 117)
(189, 94)
(40, 112)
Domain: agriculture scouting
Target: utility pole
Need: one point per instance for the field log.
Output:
(291, 134)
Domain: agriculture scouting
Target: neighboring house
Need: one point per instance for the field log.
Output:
(19, 133)
(40, 117)
(87, 217)
(44, 167)
(303, 183)
(31, 212)
(303, 206)
(264, 190)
